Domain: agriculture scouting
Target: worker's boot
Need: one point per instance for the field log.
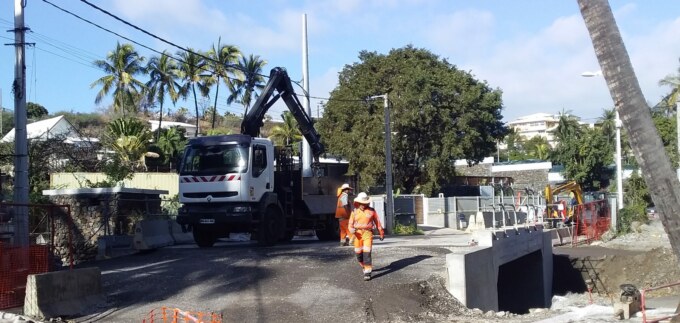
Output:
(367, 276)
(346, 242)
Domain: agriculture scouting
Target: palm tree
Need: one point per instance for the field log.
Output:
(288, 132)
(251, 80)
(672, 98)
(129, 139)
(567, 127)
(171, 142)
(608, 124)
(121, 66)
(192, 72)
(223, 59)
(635, 114)
(163, 76)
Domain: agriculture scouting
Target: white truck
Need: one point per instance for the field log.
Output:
(242, 183)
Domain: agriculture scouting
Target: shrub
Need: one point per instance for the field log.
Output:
(630, 214)
(401, 229)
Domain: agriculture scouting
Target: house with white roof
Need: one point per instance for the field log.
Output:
(57, 127)
(190, 128)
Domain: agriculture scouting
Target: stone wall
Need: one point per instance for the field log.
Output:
(536, 179)
(78, 228)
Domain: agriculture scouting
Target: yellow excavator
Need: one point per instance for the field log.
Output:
(551, 192)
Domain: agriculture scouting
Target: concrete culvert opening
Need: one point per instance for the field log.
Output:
(520, 284)
(567, 276)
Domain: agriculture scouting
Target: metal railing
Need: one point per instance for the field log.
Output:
(643, 293)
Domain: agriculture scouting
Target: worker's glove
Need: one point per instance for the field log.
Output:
(352, 230)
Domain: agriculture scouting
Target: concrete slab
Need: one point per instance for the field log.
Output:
(63, 293)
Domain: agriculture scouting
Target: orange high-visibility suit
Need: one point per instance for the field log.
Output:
(342, 213)
(362, 223)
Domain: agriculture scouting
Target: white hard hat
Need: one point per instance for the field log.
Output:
(345, 187)
(362, 198)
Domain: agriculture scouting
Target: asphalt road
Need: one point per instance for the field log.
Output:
(304, 281)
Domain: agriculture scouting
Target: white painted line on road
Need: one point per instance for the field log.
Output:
(138, 267)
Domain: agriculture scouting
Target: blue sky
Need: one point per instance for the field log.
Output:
(534, 50)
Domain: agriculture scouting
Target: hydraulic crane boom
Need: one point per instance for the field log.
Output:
(279, 81)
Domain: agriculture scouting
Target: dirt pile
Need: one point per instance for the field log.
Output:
(653, 268)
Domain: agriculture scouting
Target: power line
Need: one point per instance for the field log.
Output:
(175, 45)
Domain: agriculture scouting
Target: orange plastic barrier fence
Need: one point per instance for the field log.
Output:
(591, 221)
(16, 263)
(176, 315)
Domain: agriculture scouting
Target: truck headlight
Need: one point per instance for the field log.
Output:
(241, 209)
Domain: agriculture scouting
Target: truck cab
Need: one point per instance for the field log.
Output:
(230, 168)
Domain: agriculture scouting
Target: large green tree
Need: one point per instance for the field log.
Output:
(163, 76)
(121, 66)
(635, 114)
(35, 110)
(438, 114)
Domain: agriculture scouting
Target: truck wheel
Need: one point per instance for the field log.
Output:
(204, 238)
(271, 227)
(330, 230)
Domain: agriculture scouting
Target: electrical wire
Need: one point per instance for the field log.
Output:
(167, 42)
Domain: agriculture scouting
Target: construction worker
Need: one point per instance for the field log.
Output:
(342, 213)
(361, 223)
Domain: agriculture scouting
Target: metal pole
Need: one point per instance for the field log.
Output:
(619, 172)
(389, 214)
(20, 136)
(306, 150)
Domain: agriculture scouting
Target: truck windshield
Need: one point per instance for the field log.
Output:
(215, 160)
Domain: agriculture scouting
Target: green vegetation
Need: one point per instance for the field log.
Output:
(462, 116)
(637, 198)
(400, 229)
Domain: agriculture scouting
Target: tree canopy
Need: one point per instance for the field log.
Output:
(438, 114)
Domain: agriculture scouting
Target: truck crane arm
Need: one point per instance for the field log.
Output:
(280, 82)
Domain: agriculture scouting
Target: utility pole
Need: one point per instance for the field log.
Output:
(306, 149)
(20, 136)
(389, 205)
(619, 171)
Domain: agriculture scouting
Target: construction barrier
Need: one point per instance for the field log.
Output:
(590, 221)
(63, 293)
(179, 236)
(152, 234)
(176, 315)
(44, 253)
(643, 292)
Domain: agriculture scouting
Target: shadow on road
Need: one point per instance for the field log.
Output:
(399, 264)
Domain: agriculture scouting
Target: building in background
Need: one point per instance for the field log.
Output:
(538, 124)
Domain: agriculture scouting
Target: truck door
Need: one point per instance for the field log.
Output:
(261, 176)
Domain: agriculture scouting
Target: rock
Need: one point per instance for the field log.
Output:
(489, 314)
(477, 311)
(500, 314)
(536, 310)
(635, 226)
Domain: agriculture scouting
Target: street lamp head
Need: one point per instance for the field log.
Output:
(591, 74)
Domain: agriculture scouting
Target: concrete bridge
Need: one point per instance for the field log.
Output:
(507, 270)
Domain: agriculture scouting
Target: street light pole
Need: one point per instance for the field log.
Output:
(389, 207)
(619, 171)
